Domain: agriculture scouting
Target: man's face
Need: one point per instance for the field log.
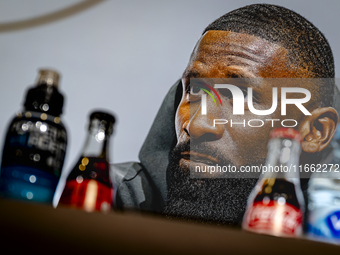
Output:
(222, 54)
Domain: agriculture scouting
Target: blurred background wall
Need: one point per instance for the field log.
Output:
(120, 55)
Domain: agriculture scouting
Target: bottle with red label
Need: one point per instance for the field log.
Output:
(276, 205)
(88, 185)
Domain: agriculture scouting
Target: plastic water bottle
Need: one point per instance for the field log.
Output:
(324, 198)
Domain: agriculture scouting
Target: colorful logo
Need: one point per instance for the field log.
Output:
(205, 87)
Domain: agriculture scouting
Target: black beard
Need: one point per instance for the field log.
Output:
(221, 201)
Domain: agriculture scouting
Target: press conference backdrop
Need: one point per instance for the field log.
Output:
(117, 55)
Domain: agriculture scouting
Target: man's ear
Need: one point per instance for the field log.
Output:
(318, 129)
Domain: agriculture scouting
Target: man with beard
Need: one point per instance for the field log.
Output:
(258, 42)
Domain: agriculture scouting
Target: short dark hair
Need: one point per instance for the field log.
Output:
(307, 46)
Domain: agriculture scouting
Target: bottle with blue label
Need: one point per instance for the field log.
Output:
(324, 198)
(35, 144)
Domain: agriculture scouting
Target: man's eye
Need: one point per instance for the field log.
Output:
(194, 90)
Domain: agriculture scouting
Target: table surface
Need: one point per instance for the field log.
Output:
(41, 229)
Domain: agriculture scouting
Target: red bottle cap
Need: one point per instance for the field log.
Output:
(290, 133)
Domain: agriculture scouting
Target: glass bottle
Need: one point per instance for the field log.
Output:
(88, 185)
(276, 205)
(35, 145)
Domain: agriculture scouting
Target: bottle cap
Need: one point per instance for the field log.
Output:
(103, 116)
(290, 133)
(45, 97)
(106, 120)
(48, 77)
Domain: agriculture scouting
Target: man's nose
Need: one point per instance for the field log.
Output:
(202, 127)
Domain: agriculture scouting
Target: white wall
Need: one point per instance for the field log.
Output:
(118, 55)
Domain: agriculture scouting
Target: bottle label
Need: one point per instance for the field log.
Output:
(333, 222)
(35, 143)
(274, 219)
(324, 222)
(87, 194)
(37, 134)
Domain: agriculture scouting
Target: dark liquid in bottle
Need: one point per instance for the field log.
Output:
(33, 157)
(275, 209)
(280, 188)
(88, 186)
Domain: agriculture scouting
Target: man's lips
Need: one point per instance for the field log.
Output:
(198, 157)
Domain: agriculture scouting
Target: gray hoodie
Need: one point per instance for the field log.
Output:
(142, 185)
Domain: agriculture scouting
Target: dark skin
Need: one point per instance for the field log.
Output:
(224, 54)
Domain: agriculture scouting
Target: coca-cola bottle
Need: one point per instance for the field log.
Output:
(88, 186)
(35, 145)
(276, 205)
